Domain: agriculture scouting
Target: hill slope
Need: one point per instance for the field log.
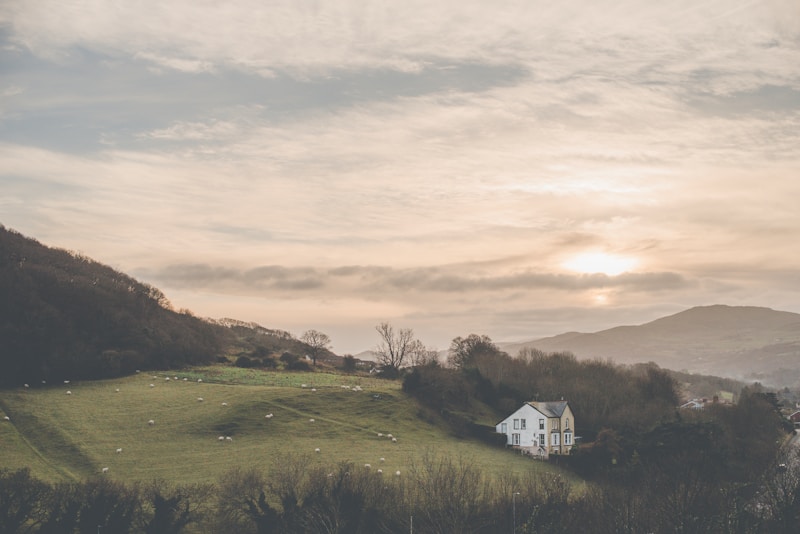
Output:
(72, 437)
(63, 315)
(732, 341)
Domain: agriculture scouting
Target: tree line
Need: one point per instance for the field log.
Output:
(437, 494)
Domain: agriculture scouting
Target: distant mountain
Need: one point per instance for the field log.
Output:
(66, 316)
(743, 342)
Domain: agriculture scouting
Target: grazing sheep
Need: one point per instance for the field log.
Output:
(228, 438)
(6, 418)
(221, 438)
(310, 420)
(155, 377)
(26, 385)
(313, 389)
(367, 466)
(167, 379)
(382, 459)
(303, 386)
(199, 399)
(117, 390)
(151, 422)
(69, 393)
(397, 473)
(152, 385)
(185, 379)
(176, 378)
(316, 450)
(380, 434)
(224, 403)
(199, 380)
(138, 371)
(268, 416)
(105, 470)
(389, 436)
(394, 440)
(119, 450)
(380, 471)
(66, 381)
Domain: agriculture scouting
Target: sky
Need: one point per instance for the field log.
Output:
(516, 169)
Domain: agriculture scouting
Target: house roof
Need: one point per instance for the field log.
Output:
(550, 409)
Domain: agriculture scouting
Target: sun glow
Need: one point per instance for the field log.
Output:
(600, 262)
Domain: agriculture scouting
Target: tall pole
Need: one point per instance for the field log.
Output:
(514, 510)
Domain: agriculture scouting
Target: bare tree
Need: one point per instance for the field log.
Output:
(317, 342)
(395, 347)
(419, 354)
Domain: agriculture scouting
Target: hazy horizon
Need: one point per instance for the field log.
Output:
(450, 167)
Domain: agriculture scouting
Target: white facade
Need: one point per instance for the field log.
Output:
(526, 428)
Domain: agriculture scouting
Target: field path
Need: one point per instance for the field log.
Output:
(67, 474)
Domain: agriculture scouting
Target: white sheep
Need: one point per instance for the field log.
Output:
(224, 403)
(167, 379)
(367, 466)
(185, 379)
(151, 422)
(313, 389)
(303, 386)
(152, 385)
(310, 420)
(138, 371)
(199, 380)
(228, 438)
(66, 381)
(389, 436)
(268, 416)
(26, 385)
(69, 393)
(316, 450)
(117, 390)
(176, 378)
(380, 471)
(119, 450)
(105, 470)
(382, 459)
(397, 473)
(6, 418)
(199, 399)
(394, 440)
(221, 438)
(380, 434)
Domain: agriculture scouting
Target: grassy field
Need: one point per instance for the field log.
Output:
(72, 437)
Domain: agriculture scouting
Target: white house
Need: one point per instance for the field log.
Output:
(540, 428)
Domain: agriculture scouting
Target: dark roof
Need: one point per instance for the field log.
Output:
(550, 409)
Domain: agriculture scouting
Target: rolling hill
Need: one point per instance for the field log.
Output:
(743, 342)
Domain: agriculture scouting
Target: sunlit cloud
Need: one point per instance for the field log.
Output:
(545, 166)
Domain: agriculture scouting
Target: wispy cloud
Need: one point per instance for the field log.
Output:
(418, 160)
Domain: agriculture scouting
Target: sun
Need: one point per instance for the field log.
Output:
(600, 262)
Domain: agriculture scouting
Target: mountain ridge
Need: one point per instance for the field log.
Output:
(743, 342)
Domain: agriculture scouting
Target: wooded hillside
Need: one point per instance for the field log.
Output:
(66, 316)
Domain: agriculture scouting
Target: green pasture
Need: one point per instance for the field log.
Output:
(72, 437)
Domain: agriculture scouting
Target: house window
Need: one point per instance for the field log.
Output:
(504, 428)
(567, 424)
(555, 439)
(568, 438)
(516, 424)
(541, 424)
(515, 439)
(542, 442)
(556, 424)
(522, 424)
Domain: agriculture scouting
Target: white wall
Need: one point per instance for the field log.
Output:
(528, 436)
